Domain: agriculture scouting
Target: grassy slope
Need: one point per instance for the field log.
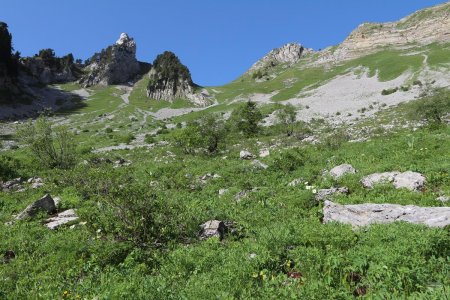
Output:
(280, 225)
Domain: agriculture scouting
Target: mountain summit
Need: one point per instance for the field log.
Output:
(114, 65)
(288, 54)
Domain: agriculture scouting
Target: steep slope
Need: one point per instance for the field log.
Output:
(424, 27)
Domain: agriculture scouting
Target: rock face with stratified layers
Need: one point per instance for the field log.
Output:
(431, 25)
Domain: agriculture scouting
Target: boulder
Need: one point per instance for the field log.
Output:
(342, 170)
(35, 182)
(46, 204)
(61, 219)
(212, 228)
(378, 178)
(244, 154)
(12, 185)
(367, 214)
(412, 181)
(324, 194)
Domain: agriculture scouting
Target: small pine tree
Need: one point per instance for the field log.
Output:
(246, 118)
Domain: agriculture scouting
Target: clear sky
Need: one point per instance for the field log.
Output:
(217, 39)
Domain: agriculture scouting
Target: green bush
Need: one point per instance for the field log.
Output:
(246, 118)
(206, 134)
(8, 167)
(53, 147)
(288, 160)
(149, 139)
(286, 116)
(389, 91)
(432, 108)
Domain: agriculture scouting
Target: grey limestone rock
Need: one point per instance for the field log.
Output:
(341, 170)
(46, 204)
(367, 214)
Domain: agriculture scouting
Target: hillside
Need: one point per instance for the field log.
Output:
(314, 175)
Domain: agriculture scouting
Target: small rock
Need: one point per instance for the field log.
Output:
(264, 153)
(35, 182)
(46, 203)
(222, 191)
(12, 185)
(61, 219)
(342, 170)
(244, 154)
(213, 228)
(378, 178)
(324, 194)
(259, 165)
(367, 214)
(252, 255)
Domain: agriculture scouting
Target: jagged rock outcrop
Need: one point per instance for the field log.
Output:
(288, 54)
(171, 80)
(46, 203)
(366, 214)
(46, 68)
(423, 27)
(114, 65)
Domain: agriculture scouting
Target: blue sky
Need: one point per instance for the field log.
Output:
(217, 39)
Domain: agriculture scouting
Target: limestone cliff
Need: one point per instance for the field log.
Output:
(169, 80)
(114, 65)
(421, 28)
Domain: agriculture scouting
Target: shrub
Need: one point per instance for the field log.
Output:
(335, 140)
(208, 133)
(8, 167)
(246, 118)
(432, 108)
(286, 116)
(108, 130)
(417, 82)
(288, 160)
(53, 147)
(389, 91)
(149, 139)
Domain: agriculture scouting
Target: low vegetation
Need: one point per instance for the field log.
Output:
(138, 234)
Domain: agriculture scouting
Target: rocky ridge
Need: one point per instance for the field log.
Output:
(169, 80)
(421, 28)
(287, 54)
(113, 65)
